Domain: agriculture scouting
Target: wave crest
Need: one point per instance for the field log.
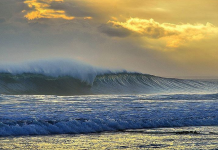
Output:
(75, 78)
(56, 68)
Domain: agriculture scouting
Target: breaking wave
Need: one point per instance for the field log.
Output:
(82, 126)
(74, 78)
(49, 114)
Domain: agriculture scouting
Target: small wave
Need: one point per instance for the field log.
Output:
(184, 97)
(84, 126)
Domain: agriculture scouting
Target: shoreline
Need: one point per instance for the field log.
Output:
(195, 137)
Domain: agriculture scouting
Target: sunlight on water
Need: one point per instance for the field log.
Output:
(47, 115)
(164, 138)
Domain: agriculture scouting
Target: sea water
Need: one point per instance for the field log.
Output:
(68, 105)
(109, 121)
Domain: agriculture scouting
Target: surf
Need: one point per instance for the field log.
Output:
(65, 77)
(22, 115)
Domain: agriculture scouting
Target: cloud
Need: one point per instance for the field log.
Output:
(174, 35)
(114, 31)
(42, 9)
(72, 8)
(2, 20)
(11, 9)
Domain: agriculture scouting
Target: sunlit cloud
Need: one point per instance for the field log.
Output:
(41, 9)
(87, 18)
(173, 35)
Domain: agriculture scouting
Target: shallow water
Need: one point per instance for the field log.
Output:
(203, 137)
(46, 115)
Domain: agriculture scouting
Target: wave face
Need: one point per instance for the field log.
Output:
(130, 83)
(37, 84)
(109, 83)
(64, 77)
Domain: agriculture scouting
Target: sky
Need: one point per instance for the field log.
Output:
(169, 38)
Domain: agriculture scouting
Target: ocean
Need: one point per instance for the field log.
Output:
(57, 106)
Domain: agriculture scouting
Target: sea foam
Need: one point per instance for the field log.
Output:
(56, 68)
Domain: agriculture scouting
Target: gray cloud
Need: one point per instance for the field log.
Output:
(10, 8)
(72, 9)
(2, 20)
(114, 31)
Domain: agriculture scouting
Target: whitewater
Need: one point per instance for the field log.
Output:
(68, 97)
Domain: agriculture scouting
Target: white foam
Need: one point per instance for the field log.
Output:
(56, 68)
(97, 125)
(44, 115)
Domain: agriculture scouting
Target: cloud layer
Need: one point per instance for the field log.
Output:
(174, 35)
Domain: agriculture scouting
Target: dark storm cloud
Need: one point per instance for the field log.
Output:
(114, 31)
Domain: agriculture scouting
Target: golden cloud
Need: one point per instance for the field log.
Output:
(172, 34)
(41, 9)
